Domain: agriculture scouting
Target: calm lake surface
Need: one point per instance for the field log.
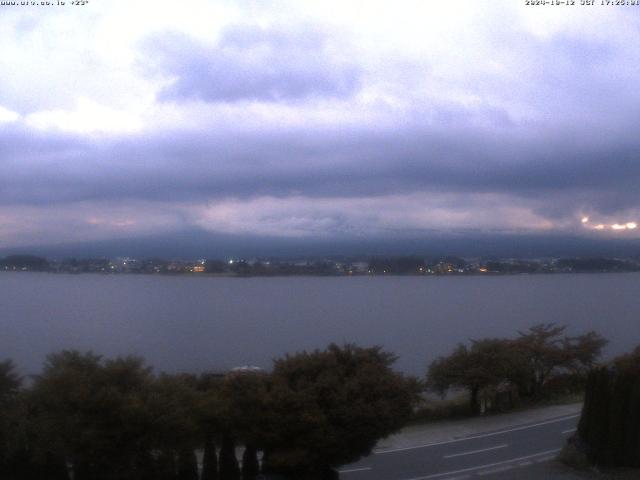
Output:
(186, 323)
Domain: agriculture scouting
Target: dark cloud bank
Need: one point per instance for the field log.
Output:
(190, 244)
(559, 179)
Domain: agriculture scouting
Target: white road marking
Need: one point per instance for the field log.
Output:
(476, 451)
(351, 470)
(473, 437)
(495, 470)
(488, 465)
(571, 430)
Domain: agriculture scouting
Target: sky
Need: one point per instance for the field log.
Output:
(314, 120)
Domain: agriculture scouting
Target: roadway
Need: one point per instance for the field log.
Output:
(490, 455)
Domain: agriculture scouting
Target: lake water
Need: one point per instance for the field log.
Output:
(194, 324)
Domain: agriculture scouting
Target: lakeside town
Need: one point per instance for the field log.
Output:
(356, 266)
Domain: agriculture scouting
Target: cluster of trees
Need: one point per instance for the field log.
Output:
(89, 418)
(397, 265)
(527, 364)
(597, 265)
(24, 262)
(272, 268)
(520, 266)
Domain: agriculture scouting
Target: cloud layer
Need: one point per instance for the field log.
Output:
(252, 63)
(315, 120)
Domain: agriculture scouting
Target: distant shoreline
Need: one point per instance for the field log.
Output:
(322, 267)
(337, 275)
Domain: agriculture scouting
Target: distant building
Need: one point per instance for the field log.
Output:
(360, 267)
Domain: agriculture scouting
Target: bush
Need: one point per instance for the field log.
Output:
(328, 408)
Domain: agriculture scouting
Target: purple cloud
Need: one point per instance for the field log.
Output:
(252, 63)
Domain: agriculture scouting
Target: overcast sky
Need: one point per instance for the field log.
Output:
(317, 119)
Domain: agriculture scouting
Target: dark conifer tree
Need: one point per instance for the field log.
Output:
(82, 471)
(187, 465)
(54, 468)
(19, 464)
(610, 421)
(229, 469)
(250, 465)
(330, 474)
(166, 465)
(265, 468)
(144, 466)
(209, 461)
